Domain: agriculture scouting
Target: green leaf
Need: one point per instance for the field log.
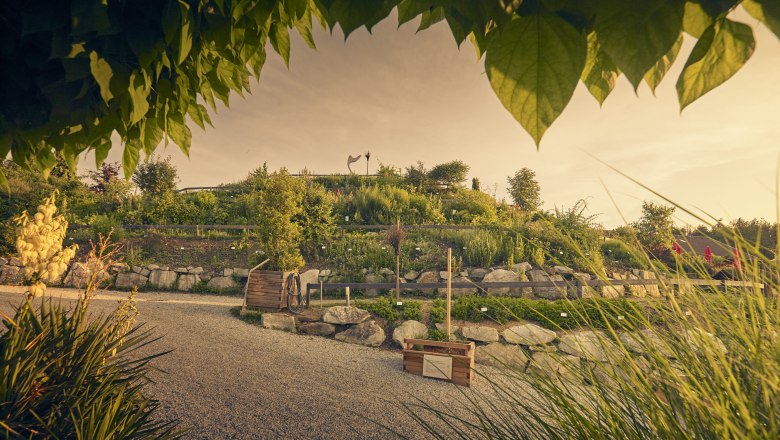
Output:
(600, 73)
(720, 52)
(352, 14)
(101, 152)
(303, 25)
(654, 76)
(139, 93)
(534, 64)
(4, 182)
(179, 132)
(280, 40)
(102, 73)
(696, 19)
(766, 11)
(637, 33)
(185, 34)
(89, 16)
(130, 158)
(408, 10)
(431, 17)
(199, 115)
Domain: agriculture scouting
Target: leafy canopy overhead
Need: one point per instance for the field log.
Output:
(74, 72)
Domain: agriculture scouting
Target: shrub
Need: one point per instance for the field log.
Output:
(481, 248)
(471, 207)
(411, 310)
(618, 253)
(103, 224)
(438, 312)
(383, 307)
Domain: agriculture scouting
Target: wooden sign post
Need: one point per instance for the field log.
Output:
(449, 292)
(347, 296)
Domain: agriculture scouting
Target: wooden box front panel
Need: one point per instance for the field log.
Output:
(265, 289)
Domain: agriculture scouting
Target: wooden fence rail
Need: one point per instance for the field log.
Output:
(255, 227)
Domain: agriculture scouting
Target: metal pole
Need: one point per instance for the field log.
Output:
(347, 296)
(449, 292)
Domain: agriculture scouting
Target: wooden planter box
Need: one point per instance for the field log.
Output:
(451, 361)
(266, 289)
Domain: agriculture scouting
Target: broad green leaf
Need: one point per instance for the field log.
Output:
(139, 93)
(102, 73)
(352, 14)
(46, 160)
(130, 158)
(600, 73)
(89, 16)
(431, 17)
(280, 40)
(696, 19)
(408, 10)
(766, 11)
(185, 34)
(178, 131)
(101, 152)
(534, 64)
(637, 33)
(199, 115)
(654, 76)
(303, 25)
(4, 182)
(720, 52)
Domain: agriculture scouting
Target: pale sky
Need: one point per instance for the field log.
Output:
(409, 97)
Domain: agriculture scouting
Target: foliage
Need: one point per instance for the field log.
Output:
(156, 177)
(383, 307)
(411, 310)
(142, 70)
(385, 204)
(279, 203)
(416, 176)
(39, 245)
(618, 253)
(471, 207)
(654, 228)
(450, 174)
(438, 311)
(105, 173)
(524, 189)
(475, 185)
(481, 248)
(315, 220)
(103, 225)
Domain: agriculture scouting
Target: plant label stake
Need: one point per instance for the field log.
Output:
(449, 292)
(320, 293)
(347, 288)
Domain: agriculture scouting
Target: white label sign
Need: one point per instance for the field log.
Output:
(439, 367)
(399, 303)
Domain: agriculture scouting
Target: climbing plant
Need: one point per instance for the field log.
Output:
(74, 72)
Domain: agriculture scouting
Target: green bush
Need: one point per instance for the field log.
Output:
(63, 375)
(102, 225)
(619, 254)
(482, 248)
(411, 310)
(383, 307)
(438, 312)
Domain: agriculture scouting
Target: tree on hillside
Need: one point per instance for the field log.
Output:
(524, 189)
(416, 175)
(156, 176)
(279, 204)
(654, 228)
(101, 178)
(76, 73)
(475, 184)
(450, 174)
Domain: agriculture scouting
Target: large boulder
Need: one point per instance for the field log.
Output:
(373, 278)
(501, 355)
(188, 281)
(11, 275)
(385, 272)
(556, 292)
(240, 272)
(480, 333)
(318, 329)
(324, 273)
(502, 275)
(366, 333)
(411, 275)
(15, 261)
(522, 267)
(701, 340)
(590, 345)
(563, 270)
(644, 341)
(556, 365)
(528, 334)
(129, 280)
(587, 291)
(478, 273)
(80, 273)
(221, 283)
(311, 276)
(162, 279)
(409, 330)
(278, 321)
(462, 291)
(428, 277)
(342, 315)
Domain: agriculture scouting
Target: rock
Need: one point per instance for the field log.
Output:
(3, 261)
(699, 339)
(310, 315)
(241, 272)
(128, 280)
(563, 270)
(462, 291)
(386, 272)
(181, 270)
(480, 333)
(162, 279)
(502, 275)
(587, 291)
(366, 333)
(145, 272)
(15, 261)
(463, 274)
(80, 273)
(136, 269)
(221, 283)
(152, 267)
(227, 272)
(325, 273)
(188, 281)
(548, 292)
(373, 278)
(196, 270)
(642, 341)
(318, 329)
(614, 290)
(409, 330)
(443, 274)
(206, 277)
(278, 321)
(556, 365)
(364, 271)
(522, 267)
(11, 275)
(478, 273)
(311, 276)
(501, 356)
(345, 315)
(590, 345)
(428, 277)
(411, 275)
(528, 334)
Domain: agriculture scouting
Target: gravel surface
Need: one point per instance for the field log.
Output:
(227, 379)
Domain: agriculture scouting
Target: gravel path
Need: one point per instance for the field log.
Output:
(227, 379)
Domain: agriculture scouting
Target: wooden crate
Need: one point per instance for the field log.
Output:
(431, 359)
(265, 289)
